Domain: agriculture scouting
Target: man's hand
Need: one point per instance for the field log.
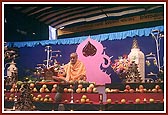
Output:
(81, 77)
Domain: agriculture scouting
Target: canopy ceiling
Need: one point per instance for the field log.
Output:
(39, 16)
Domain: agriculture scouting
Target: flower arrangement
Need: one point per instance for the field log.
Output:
(121, 65)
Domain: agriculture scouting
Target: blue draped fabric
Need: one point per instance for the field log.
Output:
(77, 40)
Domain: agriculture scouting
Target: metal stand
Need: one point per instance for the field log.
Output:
(157, 36)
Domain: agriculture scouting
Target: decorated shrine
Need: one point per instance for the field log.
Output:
(100, 91)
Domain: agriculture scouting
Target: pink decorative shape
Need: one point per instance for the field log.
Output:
(93, 63)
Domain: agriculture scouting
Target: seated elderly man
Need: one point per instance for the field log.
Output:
(74, 70)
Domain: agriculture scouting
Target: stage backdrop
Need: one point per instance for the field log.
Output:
(104, 50)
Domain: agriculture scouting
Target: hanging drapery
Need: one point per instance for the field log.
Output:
(99, 37)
